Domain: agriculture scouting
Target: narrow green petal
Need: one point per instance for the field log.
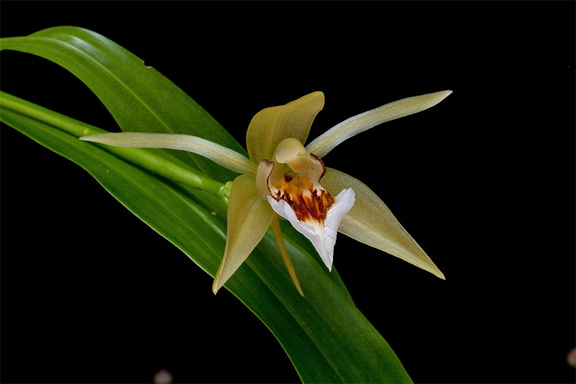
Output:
(371, 222)
(272, 125)
(249, 217)
(326, 142)
(217, 153)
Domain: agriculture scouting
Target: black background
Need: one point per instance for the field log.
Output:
(484, 182)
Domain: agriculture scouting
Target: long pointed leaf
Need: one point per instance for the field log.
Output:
(139, 98)
(324, 334)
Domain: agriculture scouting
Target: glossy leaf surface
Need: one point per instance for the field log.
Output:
(324, 334)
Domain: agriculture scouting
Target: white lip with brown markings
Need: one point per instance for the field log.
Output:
(295, 193)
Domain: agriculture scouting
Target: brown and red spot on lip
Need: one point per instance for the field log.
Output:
(307, 202)
(290, 182)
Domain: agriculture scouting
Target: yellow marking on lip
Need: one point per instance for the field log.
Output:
(309, 204)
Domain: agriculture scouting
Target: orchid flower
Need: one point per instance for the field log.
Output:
(284, 178)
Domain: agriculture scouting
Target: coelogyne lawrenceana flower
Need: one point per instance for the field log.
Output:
(283, 177)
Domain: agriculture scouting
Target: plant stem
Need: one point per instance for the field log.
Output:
(171, 169)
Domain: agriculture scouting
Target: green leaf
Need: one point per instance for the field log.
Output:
(139, 98)
(323, 333)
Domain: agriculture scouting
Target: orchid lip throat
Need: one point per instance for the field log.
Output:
(309, 204)
(294, 176)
